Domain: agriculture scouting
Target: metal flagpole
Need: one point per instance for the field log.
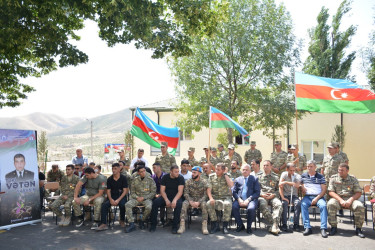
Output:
(209, 137)
(295, 98)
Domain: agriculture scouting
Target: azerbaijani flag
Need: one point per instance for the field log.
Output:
(219, 119)
(152, 133)
(327, 95)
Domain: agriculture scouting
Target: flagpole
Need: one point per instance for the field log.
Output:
(209, 137)
(295, 98)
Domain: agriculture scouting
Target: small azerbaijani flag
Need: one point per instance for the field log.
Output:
(327, 95)
(219, 119)
(152, 133)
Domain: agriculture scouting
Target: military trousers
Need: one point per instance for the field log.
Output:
(224, 205)
(186, 205)
(55, 206)
(133, 203)
(276, 206)
(97, 206)
(357, 207)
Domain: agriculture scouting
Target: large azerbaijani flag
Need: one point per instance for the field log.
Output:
(152, 133)
(327, 95)
(218, 119)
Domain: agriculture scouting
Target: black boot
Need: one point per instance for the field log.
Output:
(214, 227)
(358, 231)
(141, 225)
(225, 227)
(333, 231)
(130, 228)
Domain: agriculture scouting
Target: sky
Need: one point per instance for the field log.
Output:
(122, 76)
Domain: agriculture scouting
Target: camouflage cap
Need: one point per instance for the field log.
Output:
(331, 145)
(213, 149)
(220, 145)
(292, 146)
(277, 142)
(203, 159)
(164, 143)
(120, 151)
(191, 149)
(336, 144)
(253, 143)
(231, 146)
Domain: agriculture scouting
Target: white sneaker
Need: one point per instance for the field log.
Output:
(94, 226)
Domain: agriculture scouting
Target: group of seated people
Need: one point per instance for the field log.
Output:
(211, 189)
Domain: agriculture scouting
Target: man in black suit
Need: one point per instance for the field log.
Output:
(246, 191)
(20, 173)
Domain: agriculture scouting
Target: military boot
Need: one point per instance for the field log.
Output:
(215, 227)
(274, 229)
(62, 220)
(67, 221)
(182, 227)
(225, 227)
(204, 227)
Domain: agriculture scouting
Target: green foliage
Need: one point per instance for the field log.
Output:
(233, 70)
(36, 35)
(328, 44)
(368, 59)
(339, 136)
(42, 147)
(129, 141)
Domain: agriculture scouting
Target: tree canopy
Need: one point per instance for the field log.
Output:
(35, 36)
(328, 44)
(243, 66)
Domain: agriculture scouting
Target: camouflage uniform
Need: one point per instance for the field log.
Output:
(204, 176)
(67, 188)
(215, 160)
(165, 161)
(372, 196)
(193, 162)
(195, 191)
(345, 188)
(301, 163)
(331, 165)
(145, 188)
(270, 184)
(344, 156)
(278, 159)
(222, 195)
(235, 174)
(252, 155)
(228, 160)
(102, 185)
(54, 177)
(127, 176)
(222, 154)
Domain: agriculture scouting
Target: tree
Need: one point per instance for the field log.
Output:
(42, 148)
(368, 60)
(339, 136)
(129, 142)
(36, 35)
(239, 67)
(328, 44)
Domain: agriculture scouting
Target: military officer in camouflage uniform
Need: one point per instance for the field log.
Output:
(269, 195)
(165, 159)
(214, 158)
(342, 154)
(125, 172)
(220, 198)
(143, 190)
(192, 161)
(206, 171)
(331, 162)
(345, 191)
(234, 173)
(67, 185)
(231, 156)
(95, 185)
(222, 152)
(297, 159)
(54, 175)
(195, 193)
(278, 159)
(252, 153)
(372, 196)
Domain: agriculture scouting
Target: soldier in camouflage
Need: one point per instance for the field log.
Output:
(192, 161)
(345, 191)
(195, 193)
(252, 153)
(234, 173)
(214, 158)
(165, 159)
(278, 159)
(220, 198)
(297, 159)
(67, 186)
(331, 162)
(269, 195)
(206, 171)
(143, 190)
(125, 172)
(54, 175)
(372, 196)
(232, 156)
(342, 154)
(222, 152)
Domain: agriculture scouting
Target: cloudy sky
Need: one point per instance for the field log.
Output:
(119, 77)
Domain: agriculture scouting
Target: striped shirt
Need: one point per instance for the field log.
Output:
(313, 183)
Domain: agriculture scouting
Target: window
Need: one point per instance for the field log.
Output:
(185, 136)
(314, 150)
(242, 140)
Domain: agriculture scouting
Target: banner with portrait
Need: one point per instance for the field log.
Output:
(19, 180)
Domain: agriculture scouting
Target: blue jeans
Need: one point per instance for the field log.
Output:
(321, 204)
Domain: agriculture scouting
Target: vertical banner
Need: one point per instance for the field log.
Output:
(20, 197)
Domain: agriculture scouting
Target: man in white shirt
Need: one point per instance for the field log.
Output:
(139, 158)
(184, 170)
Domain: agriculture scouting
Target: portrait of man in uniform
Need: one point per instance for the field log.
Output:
(20, 173)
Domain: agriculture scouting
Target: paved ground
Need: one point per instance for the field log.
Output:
(47, 235)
